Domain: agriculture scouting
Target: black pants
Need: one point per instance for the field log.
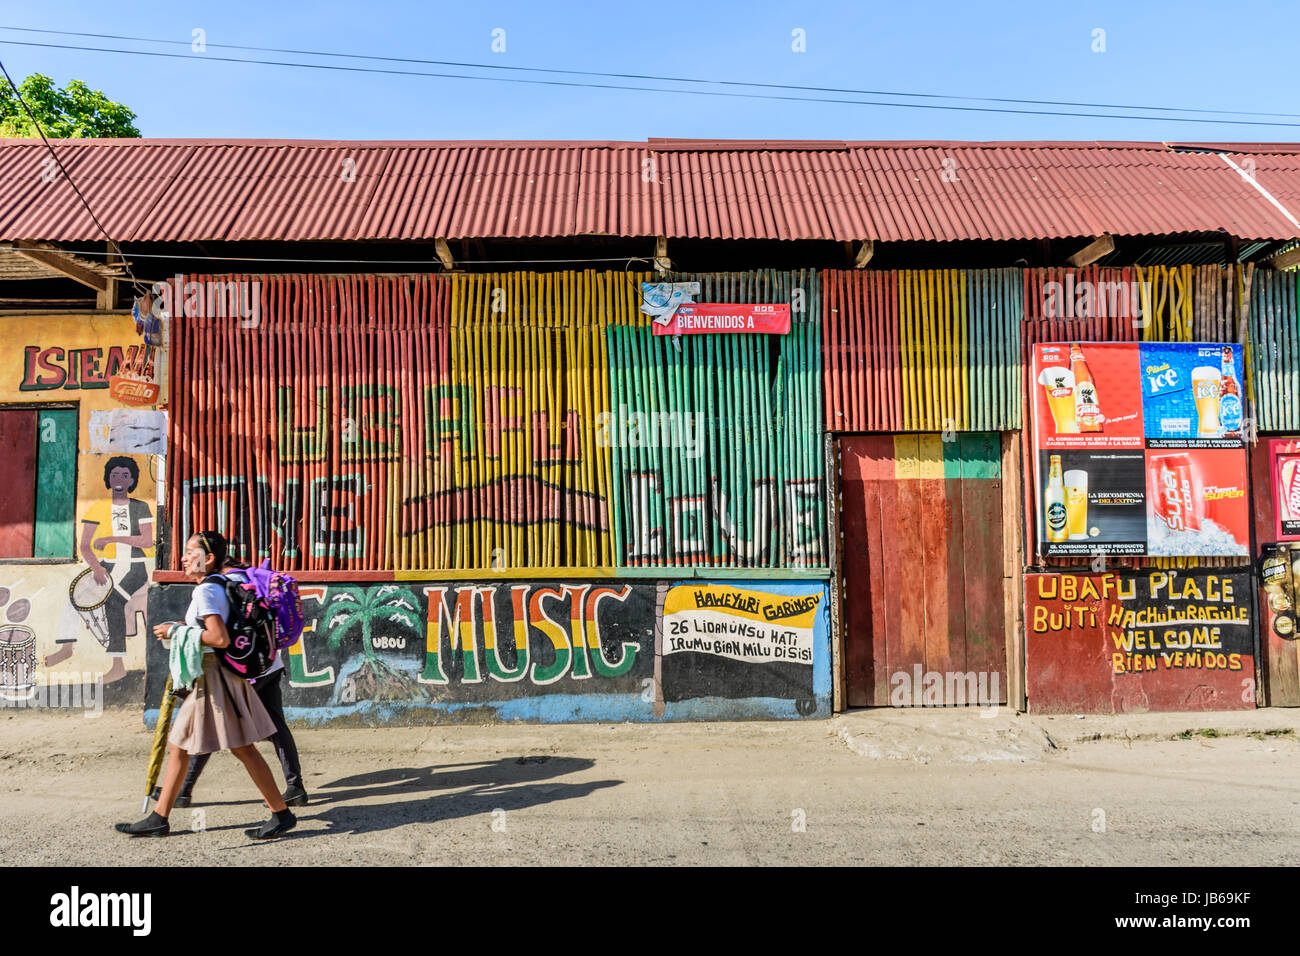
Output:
(268, 690)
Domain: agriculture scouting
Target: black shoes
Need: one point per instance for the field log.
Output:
(153, 825)
(282, 822)
(295, 797)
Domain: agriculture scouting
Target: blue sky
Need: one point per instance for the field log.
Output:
(1211, 56)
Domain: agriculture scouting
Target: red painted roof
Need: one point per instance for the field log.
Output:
(182, 190)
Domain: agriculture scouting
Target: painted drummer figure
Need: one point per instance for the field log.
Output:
(117, 543)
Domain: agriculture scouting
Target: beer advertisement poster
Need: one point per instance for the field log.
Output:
(1103, 502)
(1139, 449)
(1192, 395)
(1284, 456)
(1088, 395)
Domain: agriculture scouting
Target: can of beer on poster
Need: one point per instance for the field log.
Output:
(1173, 484)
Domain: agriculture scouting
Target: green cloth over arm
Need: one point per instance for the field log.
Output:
(185, 656)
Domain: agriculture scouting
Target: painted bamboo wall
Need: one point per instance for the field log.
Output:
(1274, 354)
(399, 423)
(734, 474)
(528, 355)
(318, 432)
(922, 350)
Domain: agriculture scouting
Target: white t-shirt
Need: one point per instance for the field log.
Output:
(210, 598)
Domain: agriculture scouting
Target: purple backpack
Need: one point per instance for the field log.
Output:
(281, 595)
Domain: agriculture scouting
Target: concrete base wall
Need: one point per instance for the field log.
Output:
(555, 651)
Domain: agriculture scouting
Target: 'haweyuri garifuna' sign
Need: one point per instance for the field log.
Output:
(744, 625)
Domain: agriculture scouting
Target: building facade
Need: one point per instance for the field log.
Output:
(507, 495)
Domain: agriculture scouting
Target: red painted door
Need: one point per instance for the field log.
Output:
(17, 481)
(923, 569)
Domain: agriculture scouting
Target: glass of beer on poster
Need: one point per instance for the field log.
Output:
(1076, 504)
(1206, 382)
(1058, 383)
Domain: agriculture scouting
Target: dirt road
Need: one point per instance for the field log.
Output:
(955, 790)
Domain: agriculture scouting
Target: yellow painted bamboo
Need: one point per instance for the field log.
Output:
(963, 351)
(931, 345)
(947, 335)
(567, 454)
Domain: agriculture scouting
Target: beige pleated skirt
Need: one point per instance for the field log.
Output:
(222, 712)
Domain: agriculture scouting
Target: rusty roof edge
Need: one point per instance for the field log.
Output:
(677, 144)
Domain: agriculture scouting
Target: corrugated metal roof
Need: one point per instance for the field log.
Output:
(195, 190)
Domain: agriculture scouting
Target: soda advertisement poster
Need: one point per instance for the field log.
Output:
(1138, 449)
(1284, 460)
(1136, 641)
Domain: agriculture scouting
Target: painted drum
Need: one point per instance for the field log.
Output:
(89, 598)
(17, 661)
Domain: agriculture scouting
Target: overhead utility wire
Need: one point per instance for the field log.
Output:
(664, 79)
(640, 89)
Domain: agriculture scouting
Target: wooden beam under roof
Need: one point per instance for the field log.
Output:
(1099, 247)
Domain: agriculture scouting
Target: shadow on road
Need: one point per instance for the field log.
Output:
(511, 783)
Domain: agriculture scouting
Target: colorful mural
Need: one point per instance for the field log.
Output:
(547, 651)
(498, 421)
(84, 483)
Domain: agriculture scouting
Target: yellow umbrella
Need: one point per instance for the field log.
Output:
(159, 741)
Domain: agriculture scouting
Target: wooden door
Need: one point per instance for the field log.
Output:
(17, 481)
(923, 563)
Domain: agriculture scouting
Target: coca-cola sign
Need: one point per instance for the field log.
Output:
(1284, 457)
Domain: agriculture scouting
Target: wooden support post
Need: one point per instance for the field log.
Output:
(62, 263)
(662, 262)
(1099, 247)
(444, 254)
(1013, 567)
(106, 300)
(835, 549)
(865, 252)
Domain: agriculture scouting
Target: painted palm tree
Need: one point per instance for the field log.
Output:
(349, 610)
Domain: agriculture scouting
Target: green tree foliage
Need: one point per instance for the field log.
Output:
(74, 112)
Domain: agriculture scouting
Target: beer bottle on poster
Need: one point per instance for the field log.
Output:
(1054, 503)
(1087, 408)
(1229, 397)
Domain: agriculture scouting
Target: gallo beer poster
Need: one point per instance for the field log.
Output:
(1138, 449)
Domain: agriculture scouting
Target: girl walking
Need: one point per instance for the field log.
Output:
(222, 712)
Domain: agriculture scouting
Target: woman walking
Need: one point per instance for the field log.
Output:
(268, 692)
(222, 712)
